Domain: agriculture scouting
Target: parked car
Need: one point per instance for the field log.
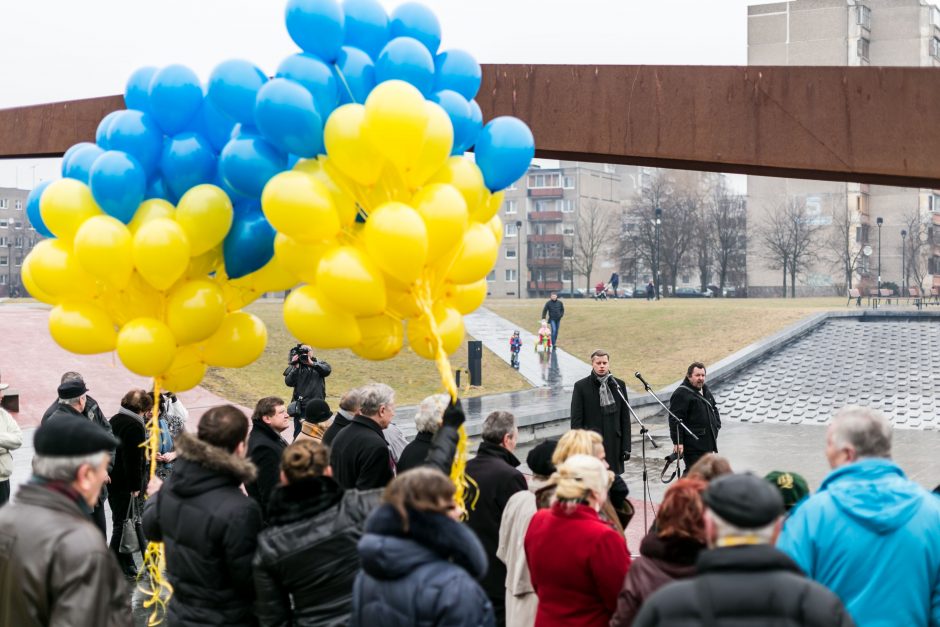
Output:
(690, 292)
(578, 293)
(625, 292)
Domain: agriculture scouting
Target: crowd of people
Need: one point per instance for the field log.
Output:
(350, 524)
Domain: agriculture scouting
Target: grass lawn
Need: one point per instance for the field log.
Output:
(412, 377)
(660, 339)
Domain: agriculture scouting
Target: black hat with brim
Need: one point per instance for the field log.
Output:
(72, 436)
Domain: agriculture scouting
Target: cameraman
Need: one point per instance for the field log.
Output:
(305, 374)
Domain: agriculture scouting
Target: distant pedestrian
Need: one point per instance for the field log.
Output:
(543, 340)
(614, 283)
(419, 564)
(598, 403)
(265, 446)
(361, 457)
(55, 568)
(427, 422)
(515, 346)
(554, 311)
(11, 438)
(650, 291)
(348, 408)
(742, 579)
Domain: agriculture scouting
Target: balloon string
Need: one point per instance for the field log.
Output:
(342, 78)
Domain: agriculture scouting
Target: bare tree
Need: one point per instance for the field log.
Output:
(727, 212)
(597, 226)
(790, 237)
(678, 232)
(841, 244)
(916, 249)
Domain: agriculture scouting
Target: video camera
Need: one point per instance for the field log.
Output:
(301, 352)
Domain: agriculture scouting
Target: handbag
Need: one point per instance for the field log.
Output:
(129, 541)
(296, 407)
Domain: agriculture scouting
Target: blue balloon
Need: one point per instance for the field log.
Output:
(245, 206)
(287, 118)
(249, 244)
(316, 26)
(459, 71)
(137, 89)
(356, 73)
(292, 160)
(101, 134)
(212, 124)
(416, 20)
(70, 152)
(222, 184)
(244, 130)
(233, 87)
(118, 184)
(366, 26)
(79, 162)
(135, 133)
(32, 209)
(477, 115)
(458, 110)
(175, 97)
(248, 163)
(157, 189)
(406, 59)
(187, 160)
(316, 76)
(504, 151)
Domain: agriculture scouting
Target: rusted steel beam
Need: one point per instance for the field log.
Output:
(871, 125)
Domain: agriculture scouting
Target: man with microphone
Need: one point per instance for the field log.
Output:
(694, 405)
(599, 403)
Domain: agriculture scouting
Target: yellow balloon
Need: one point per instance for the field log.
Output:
(348, 147)
(150, 209)
(57, 272)
(137, 300)
(205, 213)
(348, 278)
(397, 240)
(382, 337)
(186, 371)
(309, 320)
(204, 264)
(423, 340)
(345, 205)
(239, 341)
(395, 121)
(298, 258)
(438, 142)
(466, 177)
(300, 206)
(488, 207)
(161, 252)
(146, 346)
(30, 284)
(402, 301)
(477, 256)
(65, 205)
(82, 328)
(194, 310)
(468, 298)
(103, 248)
(496, 226)
(272, 277)
(444, 212)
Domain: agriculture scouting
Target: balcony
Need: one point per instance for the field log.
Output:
(546, 239)
(545, 216)
(545, 262)
(545, 285)
(546, 192)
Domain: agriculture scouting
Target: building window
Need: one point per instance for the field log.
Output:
(510, 206)
(510, 275)
(18, 259)
(537, 181)
(4, 261)
(566, 275)
(569, 253)
(935, 47)
(4, 203)
(510, 253)
(4, 223)
(568, 205)
(19, 224)
(935, 16)
(18, 205)
(863, 45)
(511, 230)
(3, 279)
(567, 182)
(685, 278)
(18, 242)
(568, 230)
(491, 276)
(863, 16)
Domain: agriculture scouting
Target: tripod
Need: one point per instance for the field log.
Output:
(644, 434)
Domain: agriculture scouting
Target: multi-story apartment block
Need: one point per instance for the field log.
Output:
(17, 238)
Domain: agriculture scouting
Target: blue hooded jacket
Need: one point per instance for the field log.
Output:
(873, 537)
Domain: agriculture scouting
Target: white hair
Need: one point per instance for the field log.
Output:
(430, 411)
(580, 475)
(65, 468)
(373, 396)
(724, 529)
(864, 429)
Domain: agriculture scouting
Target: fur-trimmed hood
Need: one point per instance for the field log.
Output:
(203, 466)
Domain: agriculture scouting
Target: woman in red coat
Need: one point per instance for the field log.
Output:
(577, 562)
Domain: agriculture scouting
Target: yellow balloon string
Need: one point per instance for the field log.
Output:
(159, 592)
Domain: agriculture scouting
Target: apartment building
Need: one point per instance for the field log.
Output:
(17, 238)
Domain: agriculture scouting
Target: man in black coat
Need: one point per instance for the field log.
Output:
(305, 373)
(597, 404)
(209, 527)
(743, 579)
(693, 404)
(265, 446)
(493, 478)
(554, 310)
(348, 408)
(361, 459)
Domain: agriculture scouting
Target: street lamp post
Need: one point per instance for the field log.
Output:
(903, 260)
(636, 263)
(519, 259)
(879, 221)
(659, 215)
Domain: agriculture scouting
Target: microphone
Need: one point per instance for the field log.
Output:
(642, 380)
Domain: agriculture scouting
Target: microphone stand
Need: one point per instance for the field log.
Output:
(678, 421)
(643, 432)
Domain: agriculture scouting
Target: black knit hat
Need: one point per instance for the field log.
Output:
(317, 411)
(72, 389)
(539, 458)
(744, 500)
(72, 436)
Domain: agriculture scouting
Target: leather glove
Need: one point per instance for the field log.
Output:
(626, 456)
(453, 415)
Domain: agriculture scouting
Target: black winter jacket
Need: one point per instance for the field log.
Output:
(416, 452)
(265, 447)
(744, 585)
(210, 529)
(307, 381)
(699, 412)
(307, 560)
(421, 577)
(614, 427)
(340, 422)
(360, 456)
(128, 473)
(554, 308)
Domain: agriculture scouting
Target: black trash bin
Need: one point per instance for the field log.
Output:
(475, 358)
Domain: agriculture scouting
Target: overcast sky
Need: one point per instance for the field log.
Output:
(54, 50)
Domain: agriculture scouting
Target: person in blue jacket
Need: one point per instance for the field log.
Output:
(869, 534)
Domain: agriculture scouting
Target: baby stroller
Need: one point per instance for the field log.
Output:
(600, 291)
